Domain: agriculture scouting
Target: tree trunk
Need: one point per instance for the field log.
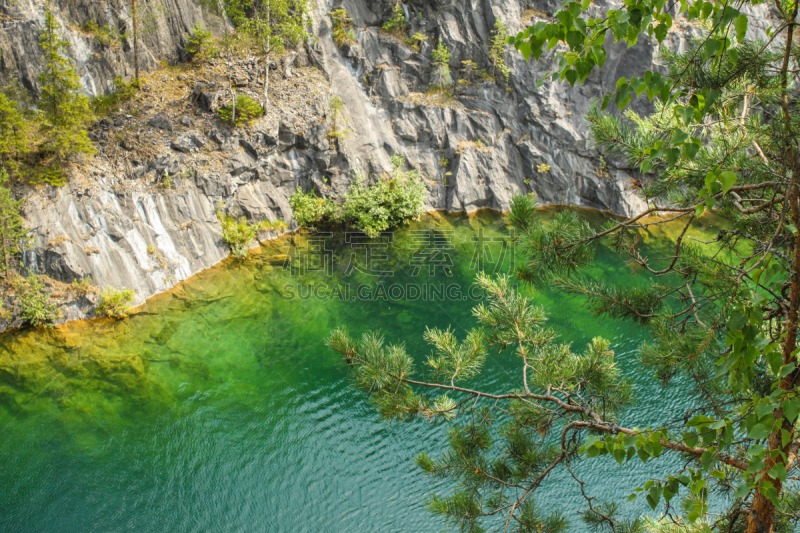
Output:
(233, 104)
(135, 40)
(266, 82)
(267, 50)
(5, 249)
(762, 510)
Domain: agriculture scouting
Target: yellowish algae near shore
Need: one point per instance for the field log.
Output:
(210, 327)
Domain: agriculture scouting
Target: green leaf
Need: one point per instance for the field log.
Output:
(690, 150)
(574, 39)
(764, 408)
(657, 448)
(525, 49)
(741, 27)
(742, 491)
(643, 455)
(672, 155)
(778, 471)
(619, 455)
(684, 114)
(759, 431)
(599, 54)
(661, 32)
(755, 449)
(678, 136)
(791, 409)
(727, 178)
(736, 320)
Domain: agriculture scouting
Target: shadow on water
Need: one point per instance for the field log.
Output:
(217, 407)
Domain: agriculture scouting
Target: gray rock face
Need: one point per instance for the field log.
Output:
(126, 227)
(99, 60)
(496, 138)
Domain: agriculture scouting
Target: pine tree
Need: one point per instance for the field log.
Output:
(13, 235)
(14, 134)
(65, 111)
(497, 48)
(441, 65)
(725, 135)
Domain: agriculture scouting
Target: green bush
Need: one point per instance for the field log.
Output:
(104, 35)
(396, 25)
(34, 302)
(416, 40)
(247, 110)
(106, 103)
(497, 48)
(309, 209)
(370, 208)
(201, 44)
(441, 63)
(115, 303)
(342, 28)
(239, 234)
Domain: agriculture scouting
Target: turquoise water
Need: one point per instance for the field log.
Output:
(217, 406)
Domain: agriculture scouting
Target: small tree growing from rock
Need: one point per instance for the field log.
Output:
(115, 303)
(34, 302)
(14, 134)
(396, 25)
(239, 234)
(13, 235)
(469, 70)
(441, 66)
(416, 40)
(201, 45)
(64, 108)
(275, 24)
(240, 111)
(342, 27)
(497, 49)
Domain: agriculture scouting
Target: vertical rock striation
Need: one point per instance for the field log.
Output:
(494, 139)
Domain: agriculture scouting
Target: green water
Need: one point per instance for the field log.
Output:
(217, 406)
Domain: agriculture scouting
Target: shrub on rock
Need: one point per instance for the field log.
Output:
(115, 303)
(246, 111)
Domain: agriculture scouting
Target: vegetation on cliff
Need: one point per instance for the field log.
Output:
(65, 110)
(13, 234)
(240, 234)
(392, 200)
(115, 303)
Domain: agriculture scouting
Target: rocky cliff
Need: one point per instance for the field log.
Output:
(121, 223)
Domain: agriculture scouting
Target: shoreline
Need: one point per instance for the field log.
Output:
(263, 243)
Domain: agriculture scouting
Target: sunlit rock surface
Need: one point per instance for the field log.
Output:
(495, 139)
